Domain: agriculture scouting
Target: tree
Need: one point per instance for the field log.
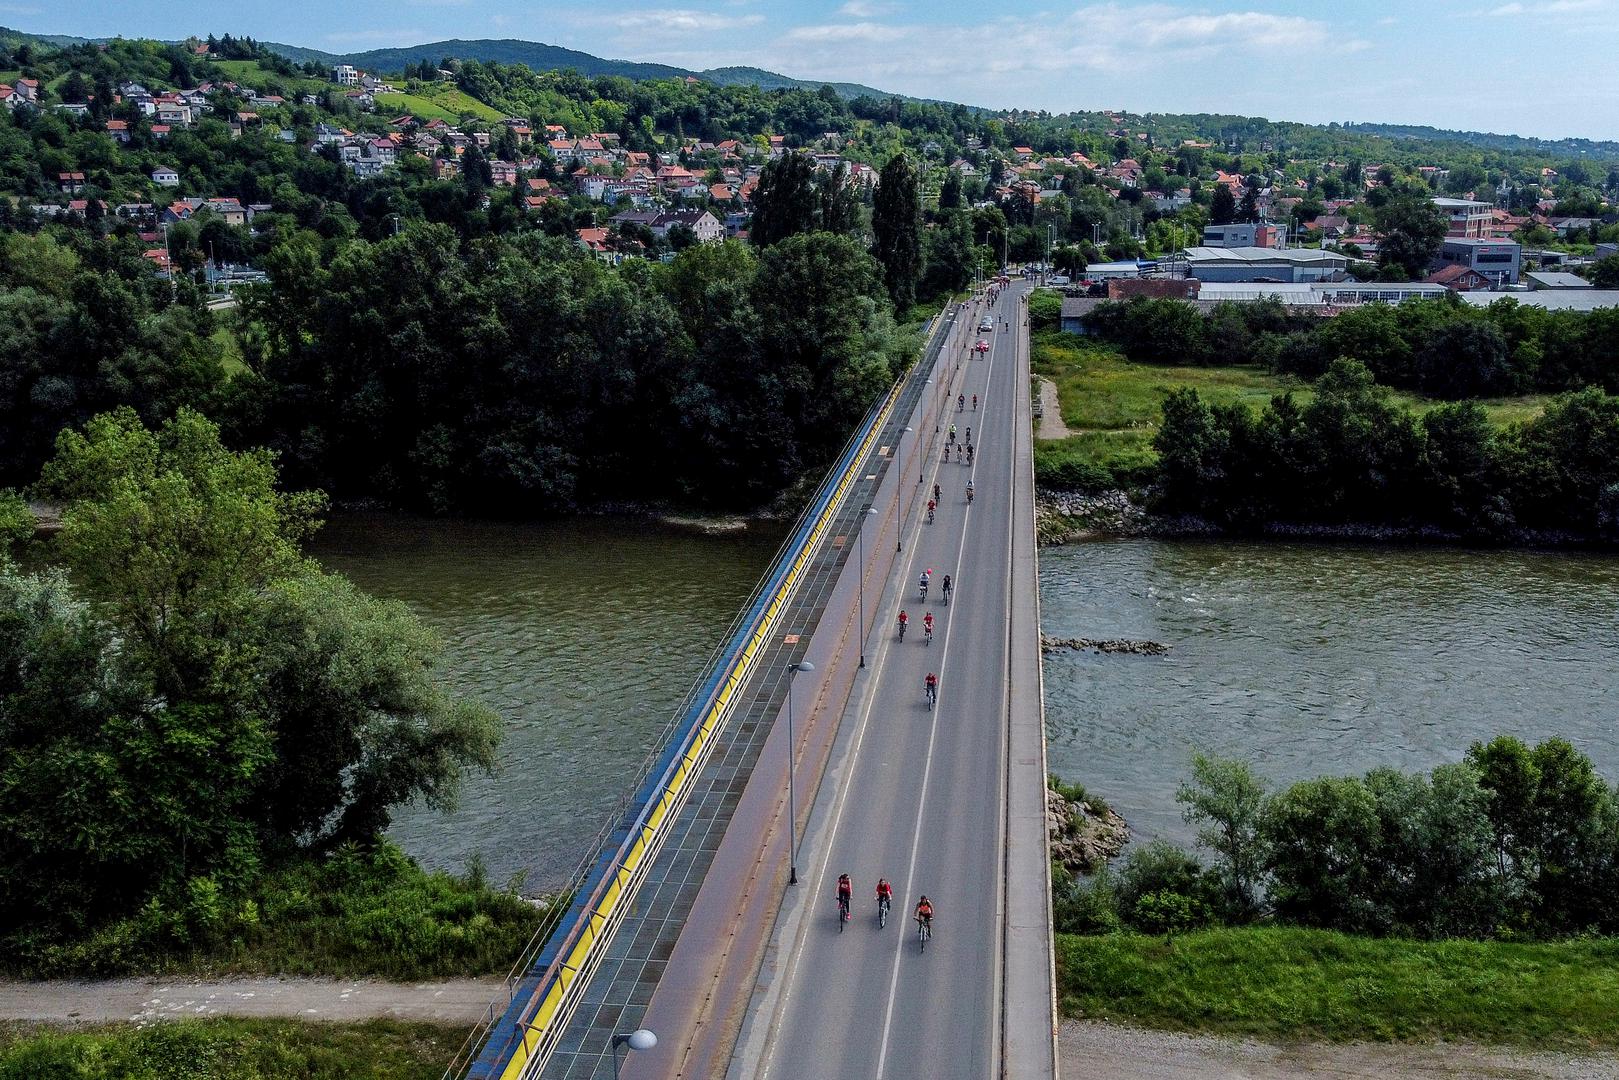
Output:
(896, 221)
(950, 191)
(1319, 838)
(788, 200)
(1411, 229)
(210, 704)
(1249, 210)
(1223, 209)
(1224, 798)
(1605, 272)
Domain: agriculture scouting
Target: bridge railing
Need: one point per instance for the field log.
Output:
(521, 1027)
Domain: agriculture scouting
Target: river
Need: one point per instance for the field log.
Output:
(582, 634)
(1318, 659)
(1306, 659)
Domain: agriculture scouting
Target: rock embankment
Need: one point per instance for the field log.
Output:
(1104, 645)
(1062, 517)
(1084, 835)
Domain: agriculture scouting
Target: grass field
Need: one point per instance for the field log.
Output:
(231, 1049)
(250, 73)
(1114, 406)
(437, 103)
(1289, 984)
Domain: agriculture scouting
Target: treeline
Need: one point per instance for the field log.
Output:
(187, 704)
(1350, 456)
(1442, 348)
(523, 376)
(1511, 841)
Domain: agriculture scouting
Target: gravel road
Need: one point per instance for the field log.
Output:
(1092, 1050)
(454, 1001)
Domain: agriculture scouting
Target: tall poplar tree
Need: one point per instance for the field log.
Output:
(896, 220)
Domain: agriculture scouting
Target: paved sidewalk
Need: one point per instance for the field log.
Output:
(452, 1001)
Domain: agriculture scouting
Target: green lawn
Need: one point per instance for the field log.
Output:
(231, 1049)
(437, 103)
(252, 74)
(232, 349)
(1114, 406)
(1288, 984)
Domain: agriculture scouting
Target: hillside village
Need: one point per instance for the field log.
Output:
(1128, 207)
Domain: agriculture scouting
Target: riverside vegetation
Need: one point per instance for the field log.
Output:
(1186, 420)
(204, 733)
(1365, 907)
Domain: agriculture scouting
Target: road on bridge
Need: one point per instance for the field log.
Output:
(921, 796)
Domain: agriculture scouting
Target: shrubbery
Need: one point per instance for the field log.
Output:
(1511, 841)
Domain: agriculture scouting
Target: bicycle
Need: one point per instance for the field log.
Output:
(975, 403)
(932, 691)
(843, 912)
(922, 589)
(902, 624)
(882, 913)
(927, 634)
(924, 931)
(948, 589)
(930, 513)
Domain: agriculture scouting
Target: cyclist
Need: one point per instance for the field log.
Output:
(947, 587)
(969, 437)
(952, 434)
(930, 686)
(885, 896)
(904, 619)
(938, 496)
(927, 626)
(924, 914)
(961, 402)
(958, 453)
(969, 492)
(975, 403)
(969, 453)
(932, 506)
(845, 895)
(922, 585)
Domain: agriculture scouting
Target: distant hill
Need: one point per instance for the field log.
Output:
(542, 57)
(1490, 141)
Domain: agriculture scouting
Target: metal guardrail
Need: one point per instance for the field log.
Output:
(544, 985)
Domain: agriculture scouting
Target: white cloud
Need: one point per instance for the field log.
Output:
(1555, 7)
(867, 9)
(680, 21)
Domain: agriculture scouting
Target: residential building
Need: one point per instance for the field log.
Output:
(1498, 260)
(1465, 218)
(163, 176)
(1459, 278)
(346, 75)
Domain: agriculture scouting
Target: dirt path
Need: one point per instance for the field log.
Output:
(1092, 1050)
(453, 1001)
(1050, 425)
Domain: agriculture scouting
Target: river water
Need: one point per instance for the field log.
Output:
(1306, 659)
(583, 635)
(1315, 659)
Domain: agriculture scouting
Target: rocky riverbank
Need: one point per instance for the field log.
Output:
(1085, 833)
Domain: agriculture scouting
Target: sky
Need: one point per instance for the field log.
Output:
(1537, 67)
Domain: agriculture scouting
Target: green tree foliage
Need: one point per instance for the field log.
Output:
(1223, 208)
(1223, 799)
(204, 703)
(896, 221)
(788, 201)
(1411, 228)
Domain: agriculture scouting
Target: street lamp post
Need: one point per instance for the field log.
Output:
(792, 803)
(639, 1039)
(899, 544)
(861, 536)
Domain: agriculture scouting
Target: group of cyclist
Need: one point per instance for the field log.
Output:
(922, 913)
(952, 446)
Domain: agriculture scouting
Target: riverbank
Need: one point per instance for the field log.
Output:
(1283, 985)
(1070, 517)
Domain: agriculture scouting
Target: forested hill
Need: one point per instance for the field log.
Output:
(1517, 144)
(542, 57)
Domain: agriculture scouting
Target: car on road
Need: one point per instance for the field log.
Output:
(982, 346)
(1057, 279)
(986, 326)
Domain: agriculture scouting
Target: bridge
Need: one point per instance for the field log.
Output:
(707, 911)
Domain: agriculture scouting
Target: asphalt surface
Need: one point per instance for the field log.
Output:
(922, 800)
